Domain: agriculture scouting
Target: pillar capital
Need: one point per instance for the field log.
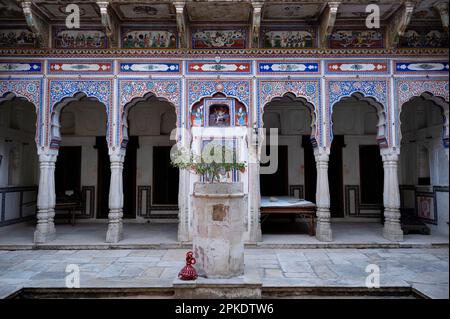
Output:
(322, 154)
(49, 156)
(117, 154)
(389, 155)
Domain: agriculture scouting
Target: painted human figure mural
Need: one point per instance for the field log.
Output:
(197, 115)
(241, 116)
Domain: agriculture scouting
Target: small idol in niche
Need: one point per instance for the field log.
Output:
(219, 115)
(241, 117)
(197, 116)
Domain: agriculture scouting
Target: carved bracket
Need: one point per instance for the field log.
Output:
(327, 22)
(110, 22)
(38, 26)
(442, 9)
(181, 23)
(256, 23)
(399, 23)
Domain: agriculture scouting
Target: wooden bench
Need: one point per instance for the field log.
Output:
(287, 205)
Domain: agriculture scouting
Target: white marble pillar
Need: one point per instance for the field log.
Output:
(391, 197)
(255, 201)
(45, 228)
(183, 207)
(323, 228)
(114, 233)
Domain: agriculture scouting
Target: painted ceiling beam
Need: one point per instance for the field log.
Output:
(398, 24)
(38, 27)
(110, 22)
(442, 8)
(181, 23)
(327, 22)
(256, 23)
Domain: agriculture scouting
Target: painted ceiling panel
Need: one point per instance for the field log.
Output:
(10, 10)
(292, 11)
(145, 11)
(218, 11)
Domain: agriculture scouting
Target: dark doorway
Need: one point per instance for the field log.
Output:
(104, 178)
(335, 177)
(310, 169)
(165, 177)
(371, 174)
(68, 171)
(276, 184)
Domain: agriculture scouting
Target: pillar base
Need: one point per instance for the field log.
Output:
(41, 237)
(114, 233)
(323, 232)
(393, 232)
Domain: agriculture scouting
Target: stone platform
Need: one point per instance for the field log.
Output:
(164, 236)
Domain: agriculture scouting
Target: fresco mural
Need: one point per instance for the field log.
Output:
(288, 38)
(145, 39)
(240, 114)
(16, 38)
(79, 39)
(219, 39)
(197, 115)
(360, 39)
(424, 39)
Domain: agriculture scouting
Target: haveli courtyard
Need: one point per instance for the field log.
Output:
(356, 115)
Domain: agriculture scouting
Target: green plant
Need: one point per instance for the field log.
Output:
(215, 161)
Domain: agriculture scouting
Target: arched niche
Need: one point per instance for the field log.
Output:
(218, 111)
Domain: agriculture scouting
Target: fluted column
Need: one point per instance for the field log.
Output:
(323, 228)
(45, 228)
(114, 233)
(391, 198)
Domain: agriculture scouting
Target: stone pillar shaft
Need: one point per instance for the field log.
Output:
(323, 229)
(114, 233)
(45, 228)
(391, 199)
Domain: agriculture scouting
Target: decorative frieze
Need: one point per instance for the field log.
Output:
(228, 67)
(11, 67)
(288, 67)
(422, 67)
(357, 67)
(149, 67)
(80, 67)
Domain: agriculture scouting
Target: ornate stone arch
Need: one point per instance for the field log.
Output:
(373, 91)
(132, 91)
(307, 91)
(433, 90)
(62, 92)
(31, 90)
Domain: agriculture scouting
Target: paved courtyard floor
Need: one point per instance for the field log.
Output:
(425, 269)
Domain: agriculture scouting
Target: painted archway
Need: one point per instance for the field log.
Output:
(307, 91)
(434, 90)
(132, 91)
(29, 89)
(62, 92)
(373, 91)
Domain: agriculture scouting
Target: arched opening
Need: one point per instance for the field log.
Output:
(78, 130)
(151, 183)
(19, 167)
(423, 171)
(355, 170)
(292, 119)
